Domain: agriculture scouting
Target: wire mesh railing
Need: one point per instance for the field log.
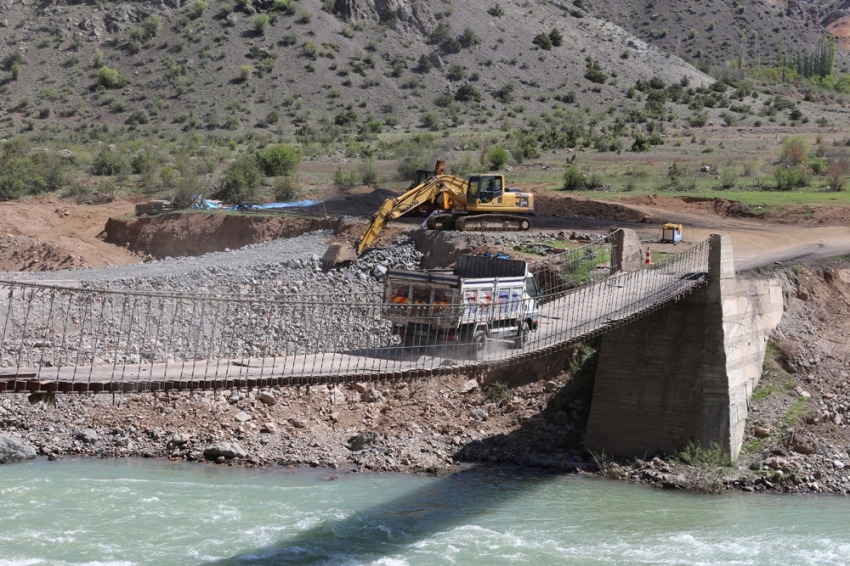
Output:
(72, 339)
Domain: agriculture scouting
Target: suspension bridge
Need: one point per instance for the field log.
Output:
(60, 339)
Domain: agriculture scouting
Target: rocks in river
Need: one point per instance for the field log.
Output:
(226, 450)
(15, 450)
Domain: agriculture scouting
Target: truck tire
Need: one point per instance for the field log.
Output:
(521, 337)
(478, 345)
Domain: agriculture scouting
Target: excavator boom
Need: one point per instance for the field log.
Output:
(451, 187)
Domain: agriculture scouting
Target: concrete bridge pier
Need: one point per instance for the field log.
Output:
(686, 372)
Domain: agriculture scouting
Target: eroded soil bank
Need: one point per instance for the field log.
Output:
(196, 233)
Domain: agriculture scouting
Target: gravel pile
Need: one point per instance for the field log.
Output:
(312, 313)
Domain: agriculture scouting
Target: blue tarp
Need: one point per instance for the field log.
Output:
(296, 204)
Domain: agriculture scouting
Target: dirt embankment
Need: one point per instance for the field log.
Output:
(548, 204)
(719, 206)
(195, 233)
(46, 234)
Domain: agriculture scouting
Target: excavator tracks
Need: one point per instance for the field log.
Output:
(480, 222)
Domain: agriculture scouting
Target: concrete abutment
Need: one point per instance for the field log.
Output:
(685, 373)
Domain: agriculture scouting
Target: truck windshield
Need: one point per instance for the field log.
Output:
(531, 287)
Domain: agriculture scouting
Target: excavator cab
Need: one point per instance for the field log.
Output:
(485, 189)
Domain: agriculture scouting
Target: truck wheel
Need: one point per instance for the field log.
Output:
(521, 337)
(478, 345)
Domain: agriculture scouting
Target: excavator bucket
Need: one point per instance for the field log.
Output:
(338, 253)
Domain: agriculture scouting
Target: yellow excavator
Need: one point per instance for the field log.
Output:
(479, 203)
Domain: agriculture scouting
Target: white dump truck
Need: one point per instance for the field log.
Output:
(483, 299)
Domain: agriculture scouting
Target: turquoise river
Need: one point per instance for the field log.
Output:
(123, 512)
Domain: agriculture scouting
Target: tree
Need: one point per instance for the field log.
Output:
(280, 159)
(556, 38)
(240, 180)
(498, 157)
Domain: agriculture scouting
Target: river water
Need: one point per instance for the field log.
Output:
(123, 512)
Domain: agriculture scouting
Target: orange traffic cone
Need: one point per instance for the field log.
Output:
(648, 257)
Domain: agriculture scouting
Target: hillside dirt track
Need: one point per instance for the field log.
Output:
(46, 234)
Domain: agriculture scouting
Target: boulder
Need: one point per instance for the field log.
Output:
(87, 435)
(242, 417)
(371, 395)
(267, 398)
(803, 444)
(180, 439)
(224, 450)
(15, 450)
(359, 442)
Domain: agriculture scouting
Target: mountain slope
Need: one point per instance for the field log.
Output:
(224, 66)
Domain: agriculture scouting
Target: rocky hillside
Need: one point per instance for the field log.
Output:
(349, 64)
(714, 33)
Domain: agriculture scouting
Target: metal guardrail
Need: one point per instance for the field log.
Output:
(78, 340)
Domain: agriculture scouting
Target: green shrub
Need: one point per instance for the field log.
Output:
(467, 93)
(456, 72)
(151, 26)
(574, 179)
(22, 174)
(795, 150)
(15, 69)
(260, 22)
(109, 163)
(346, 181)
(497, 156)
(542, 41)
(369, 172)
(245, 72)
(817, 165)
(697, 120)
(431, 120)
(198, 8)
(728, 178)
(280, 159)
(287, 189)
(110, 78)
(241, 180)
(641, 143)
(786, 178)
